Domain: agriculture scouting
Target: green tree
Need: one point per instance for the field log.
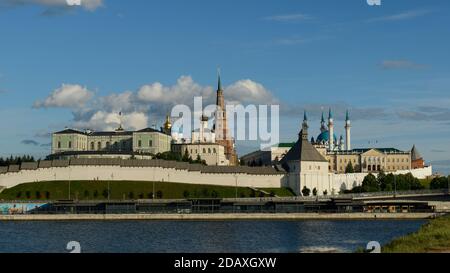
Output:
(86, 194)
(28, 194)
(325, 192)
(314, 192)
(105, 193)
(370, 184)
(186, 194)
(95, 194)
(131, 195)
(159, 194)
(349, 168)
(306, 191)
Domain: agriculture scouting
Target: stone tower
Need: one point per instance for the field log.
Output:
(221, 126)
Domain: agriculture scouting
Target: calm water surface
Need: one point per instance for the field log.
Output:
(200, 236)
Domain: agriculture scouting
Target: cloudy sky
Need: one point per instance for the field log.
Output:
(79, 66)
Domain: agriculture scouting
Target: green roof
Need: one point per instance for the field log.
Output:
(285, 145)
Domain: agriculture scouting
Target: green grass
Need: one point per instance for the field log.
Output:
(98, 190)
(432, 237)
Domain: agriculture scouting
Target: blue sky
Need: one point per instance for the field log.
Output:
(389, 65)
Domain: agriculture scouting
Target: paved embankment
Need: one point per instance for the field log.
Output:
(215, 217)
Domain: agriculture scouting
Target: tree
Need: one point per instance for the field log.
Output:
(325, 192)
(186, 156)
(439, 183)
(159, 194)
(315, 192)
(306, 191)
(370, 184)
(86, 194)
(349, 168)
(19, 194)
(95, 194)
(214, 194)
(105, 193)
(131, 195)
(186, 194)
(28, 194)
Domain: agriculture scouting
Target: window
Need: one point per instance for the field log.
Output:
(108, 145)
(150, 144)
(139, 143)
(214, 150)
(59, 144)
(209, 150)
(92, 146)
(99, 145)
(70, 144)
(204, 150)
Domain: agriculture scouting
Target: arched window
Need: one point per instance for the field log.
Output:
(59, 144)
(139, 143)
(209, 150)
(99, 145)
(204, 150)
(92, 146)
(70, 144)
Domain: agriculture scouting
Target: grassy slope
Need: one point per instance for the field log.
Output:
(432, 237)
(121, 189)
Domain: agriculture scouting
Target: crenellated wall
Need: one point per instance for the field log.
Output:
(118, 173)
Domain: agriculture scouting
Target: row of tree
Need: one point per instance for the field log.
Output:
(171, 156)
(440, 183)
(17, 160)
(388, 182)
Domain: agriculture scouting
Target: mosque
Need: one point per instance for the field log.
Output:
(340, 155)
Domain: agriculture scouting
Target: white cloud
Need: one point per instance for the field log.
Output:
(411, 14)
(110, 121)
(152, 100)
(90, 5)
(68, 95)
(182, 92)
(401, 64)
(289, 17)
(248, 91)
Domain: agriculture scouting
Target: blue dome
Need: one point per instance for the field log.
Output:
(324, 137)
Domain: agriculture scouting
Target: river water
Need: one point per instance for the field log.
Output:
(200, 236)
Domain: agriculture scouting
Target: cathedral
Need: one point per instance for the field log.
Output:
(214, 145)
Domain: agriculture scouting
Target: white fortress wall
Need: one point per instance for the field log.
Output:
(117, 173)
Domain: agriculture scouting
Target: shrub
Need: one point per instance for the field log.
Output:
(18, 195)
(214, 194)
(159, 194)
(150, 195)
(306, 191)
(105, 193)
(86, 193)
(186, 194)
(315, 192)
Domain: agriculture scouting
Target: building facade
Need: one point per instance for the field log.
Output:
(118, 143)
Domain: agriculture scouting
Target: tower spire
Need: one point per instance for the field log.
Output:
(304, 132)
(219, 81)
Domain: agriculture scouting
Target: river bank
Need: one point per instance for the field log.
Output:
(433, 237)
(219, 217)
